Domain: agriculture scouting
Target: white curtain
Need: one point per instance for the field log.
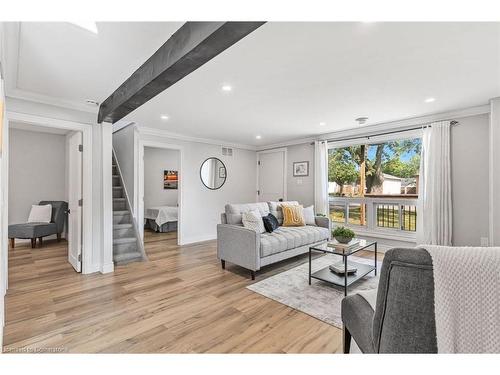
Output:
(434, 223)
(321, 177)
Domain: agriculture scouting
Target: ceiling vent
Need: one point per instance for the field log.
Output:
(226, 151)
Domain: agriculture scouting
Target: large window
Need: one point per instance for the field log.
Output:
(375, 185)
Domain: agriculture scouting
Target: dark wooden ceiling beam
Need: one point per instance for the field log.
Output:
(194, 44)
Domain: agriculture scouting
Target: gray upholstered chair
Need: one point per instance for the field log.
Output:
(403, 320)
(40, 230)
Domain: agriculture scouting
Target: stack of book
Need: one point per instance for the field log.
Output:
(344, 247)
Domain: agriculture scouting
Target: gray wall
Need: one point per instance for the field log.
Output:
(156, 161)
(37, 171)
(469, 166)
(300, 189)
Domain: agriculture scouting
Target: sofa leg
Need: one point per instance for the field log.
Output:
(223, 263)
(347, 340)
(58, 237)
(33, 243)
(12, 242)
(253, 274)
(41, 241)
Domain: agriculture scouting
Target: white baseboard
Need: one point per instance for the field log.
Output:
(193, 240)
(107, 268)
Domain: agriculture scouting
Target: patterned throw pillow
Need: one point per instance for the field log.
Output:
(293, 216)
(253, 220)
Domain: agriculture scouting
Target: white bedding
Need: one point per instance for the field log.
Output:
(162, 214)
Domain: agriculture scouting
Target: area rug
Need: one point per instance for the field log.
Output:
(320, 300)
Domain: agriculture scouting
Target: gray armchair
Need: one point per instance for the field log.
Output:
(39, 230)
(403, 320)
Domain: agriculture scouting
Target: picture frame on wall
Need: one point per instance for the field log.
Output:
(301, 169)
(170, 180)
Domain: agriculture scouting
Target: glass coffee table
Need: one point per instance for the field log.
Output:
(345, 279)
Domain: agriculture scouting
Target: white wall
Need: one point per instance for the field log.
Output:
(300, 189)
(37, 171)
(156, 161)
(469, 170)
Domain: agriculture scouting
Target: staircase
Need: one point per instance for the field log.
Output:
(126, 244)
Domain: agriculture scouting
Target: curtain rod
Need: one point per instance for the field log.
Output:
(384, 133)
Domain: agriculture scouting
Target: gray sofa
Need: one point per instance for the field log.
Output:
(403, 320)
(251, 250)
(39, 230)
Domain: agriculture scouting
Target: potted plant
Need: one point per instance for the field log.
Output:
(343, 235)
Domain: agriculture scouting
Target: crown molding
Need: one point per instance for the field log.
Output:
(373, 129)
(406, 123)
(163, 133)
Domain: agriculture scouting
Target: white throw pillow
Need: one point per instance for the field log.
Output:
(253, 220)
(40, 214)
(309, 217)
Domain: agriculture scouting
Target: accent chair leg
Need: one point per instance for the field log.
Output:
(253, 274)
(33, 243)
(58, 237)
(347, 340)
(223, 263)
(41, 241)
(13, 242)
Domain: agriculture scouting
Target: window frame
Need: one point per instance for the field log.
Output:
(371, 229)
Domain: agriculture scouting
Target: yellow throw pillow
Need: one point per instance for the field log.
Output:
(293, 216)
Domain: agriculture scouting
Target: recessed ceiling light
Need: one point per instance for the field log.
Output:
(430, 100)
(164, 117)
(87, 25)
(322, 123)
(258, 137)
(227, 88)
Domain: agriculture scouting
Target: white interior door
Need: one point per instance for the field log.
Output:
(74, 196)
(272, 176)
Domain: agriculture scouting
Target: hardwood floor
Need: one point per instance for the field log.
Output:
(180, 301)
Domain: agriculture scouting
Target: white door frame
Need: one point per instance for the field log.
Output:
(140, 191)
(284, 150)
(86, 130)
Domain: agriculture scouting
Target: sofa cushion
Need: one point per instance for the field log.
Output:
(270, 223)
(286, 238)
(252, 220)
(234, 211)
(293, 216)
(275, 209)
(32, 230)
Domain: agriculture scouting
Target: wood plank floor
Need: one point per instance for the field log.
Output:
(180, 301)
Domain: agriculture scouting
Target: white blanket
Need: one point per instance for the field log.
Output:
(466, 298)
(162, 214)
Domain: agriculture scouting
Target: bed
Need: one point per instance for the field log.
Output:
(161, 219)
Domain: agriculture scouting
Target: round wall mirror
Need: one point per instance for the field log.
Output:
(213, 173)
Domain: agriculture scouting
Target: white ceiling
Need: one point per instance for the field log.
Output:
(66, 63)
(286, 77)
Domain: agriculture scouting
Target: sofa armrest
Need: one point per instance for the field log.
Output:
(357, 317)
(322, 221)
(238, 245)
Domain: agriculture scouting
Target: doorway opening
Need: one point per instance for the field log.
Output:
(45, 192)
(160, 187)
